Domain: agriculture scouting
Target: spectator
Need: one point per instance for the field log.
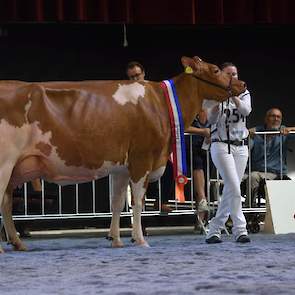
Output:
(201, 131)
(272, 122)
(135, 71)
(229, 152)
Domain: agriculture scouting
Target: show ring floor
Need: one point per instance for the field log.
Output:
(180, 263)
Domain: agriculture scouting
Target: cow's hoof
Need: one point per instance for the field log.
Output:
(117, 244)
(19, 246)
(1, 250)
(142, 243)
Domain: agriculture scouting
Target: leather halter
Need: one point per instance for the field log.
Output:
(228, 88)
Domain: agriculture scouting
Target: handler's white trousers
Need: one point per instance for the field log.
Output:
(231, 168)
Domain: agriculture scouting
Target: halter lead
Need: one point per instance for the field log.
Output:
(228, 88)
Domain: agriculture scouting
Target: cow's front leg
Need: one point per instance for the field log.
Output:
(119, 192)
(138, 191)
(6, 211)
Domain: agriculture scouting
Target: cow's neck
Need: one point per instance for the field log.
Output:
(189, 96)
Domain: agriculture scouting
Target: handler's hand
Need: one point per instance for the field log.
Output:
(206, 132)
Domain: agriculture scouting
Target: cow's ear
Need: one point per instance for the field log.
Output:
(188, 64)
(186, 61)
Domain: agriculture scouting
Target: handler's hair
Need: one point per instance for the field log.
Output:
(227, 64)
(133, 64)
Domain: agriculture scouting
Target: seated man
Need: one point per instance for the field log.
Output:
(276, 168)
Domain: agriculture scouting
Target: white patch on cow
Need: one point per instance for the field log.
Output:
(73, 174)
(13, 138)
(20, 142)
(138, 191)
(66, 174)
(156, 175)
(12, 141)
(129, 93)
(138, 187)
(27, 108)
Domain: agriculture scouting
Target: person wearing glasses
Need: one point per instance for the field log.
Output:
(275, 168)
(136, 72)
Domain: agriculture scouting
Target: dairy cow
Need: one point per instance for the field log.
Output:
(74, 132)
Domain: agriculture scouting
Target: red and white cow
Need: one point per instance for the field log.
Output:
(73, 132)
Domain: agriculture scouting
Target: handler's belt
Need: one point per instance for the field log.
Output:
(233, 142)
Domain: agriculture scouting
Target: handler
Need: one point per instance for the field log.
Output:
(229, 152)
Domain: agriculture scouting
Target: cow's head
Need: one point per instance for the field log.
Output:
(216, 84)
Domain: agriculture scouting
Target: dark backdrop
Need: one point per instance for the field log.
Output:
(51, 51)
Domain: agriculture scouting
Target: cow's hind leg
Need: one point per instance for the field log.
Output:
(119, 187)
(138, 191)
(6, 210)
(6, 165)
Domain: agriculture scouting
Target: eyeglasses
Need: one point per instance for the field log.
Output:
(135, 76)
(275, 116)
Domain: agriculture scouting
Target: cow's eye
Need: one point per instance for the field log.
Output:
(216, 71)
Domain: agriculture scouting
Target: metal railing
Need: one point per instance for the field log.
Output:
(92, 196)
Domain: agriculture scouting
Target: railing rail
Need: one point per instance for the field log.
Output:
(93, 197)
